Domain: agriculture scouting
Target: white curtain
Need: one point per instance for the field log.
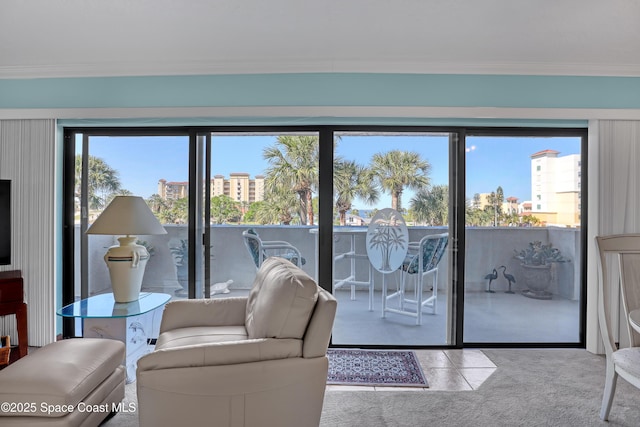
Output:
(614, 199)
(619, 175)
(27, 158)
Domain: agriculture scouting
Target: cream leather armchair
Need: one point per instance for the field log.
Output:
(244, 361)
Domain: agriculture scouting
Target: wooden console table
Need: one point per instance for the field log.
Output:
(12, 302)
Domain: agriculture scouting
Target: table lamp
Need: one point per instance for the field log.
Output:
(128, 215)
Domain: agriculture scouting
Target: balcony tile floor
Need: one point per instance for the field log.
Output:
(488, 318)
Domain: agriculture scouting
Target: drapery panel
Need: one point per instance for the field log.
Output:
(619, 175)
(28, 159)
(614, 152)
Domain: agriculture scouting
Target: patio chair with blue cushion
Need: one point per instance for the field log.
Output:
(262, 249)
(422, 259)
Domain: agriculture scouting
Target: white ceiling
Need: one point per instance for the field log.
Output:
(55, 38)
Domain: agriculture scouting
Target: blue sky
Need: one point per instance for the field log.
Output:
(491, 161)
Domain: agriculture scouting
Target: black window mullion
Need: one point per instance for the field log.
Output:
(192, 228)
(325, 209)
(207, 217)
(84, 219)
(457, 199)
(68, 234)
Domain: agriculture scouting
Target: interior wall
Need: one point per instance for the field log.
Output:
(28, 159)
(28, 156)
(281, 99)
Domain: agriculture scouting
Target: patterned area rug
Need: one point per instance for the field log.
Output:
(375, 368)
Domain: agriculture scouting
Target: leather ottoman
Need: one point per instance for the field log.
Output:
(74, 382)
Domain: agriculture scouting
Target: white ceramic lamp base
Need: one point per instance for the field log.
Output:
(126, 265)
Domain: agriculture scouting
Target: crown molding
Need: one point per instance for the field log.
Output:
(169, 68)
(327, 113)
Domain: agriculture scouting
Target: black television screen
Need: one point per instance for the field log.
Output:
(5, 221)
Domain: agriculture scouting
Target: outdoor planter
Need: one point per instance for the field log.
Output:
(537, 262)
(537, 279)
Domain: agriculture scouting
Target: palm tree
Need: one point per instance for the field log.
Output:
(432, 206)
(156, 203)
(495, 200)
(396, 170)
(102, 181)
(278, 207)
(476, 201)
(294, 165)
(121, 192)
(350, 181)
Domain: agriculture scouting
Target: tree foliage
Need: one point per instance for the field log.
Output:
(350, 181)
(224, 209)
(103, 181)
(280, 206)
(293, 166)
(431, 207)
(173, 211)
(396, 170)
(495, 200)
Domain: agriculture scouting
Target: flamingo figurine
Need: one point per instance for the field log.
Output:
(491, 277)
(509, 277)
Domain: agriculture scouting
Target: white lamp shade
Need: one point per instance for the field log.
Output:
(128, 215)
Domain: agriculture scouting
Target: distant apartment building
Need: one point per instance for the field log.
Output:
(239, 186)
(511, 206)
(172, 190)
(483, 201)
(524, 208)
(555, 190)
(555, 187)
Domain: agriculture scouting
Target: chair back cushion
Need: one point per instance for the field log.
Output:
(432, 248)
(281, 301)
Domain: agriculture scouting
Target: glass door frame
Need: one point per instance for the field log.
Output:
(199, 168)
(68, 202)
(525, 132)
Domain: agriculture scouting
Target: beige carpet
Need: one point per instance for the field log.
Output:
(529, 388)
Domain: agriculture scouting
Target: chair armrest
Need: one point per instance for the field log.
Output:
(279, 247)
(204, 312)
(413, 246)
(277, 244)
(318, 334)
(221, 353)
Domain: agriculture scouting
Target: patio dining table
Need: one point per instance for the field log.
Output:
(352, 256)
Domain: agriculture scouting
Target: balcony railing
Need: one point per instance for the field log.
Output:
(486, 248)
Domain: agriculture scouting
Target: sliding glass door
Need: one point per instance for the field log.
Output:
(263, 202)
(523, 281)
(335, 200)
(387, 178)
(154, 167)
